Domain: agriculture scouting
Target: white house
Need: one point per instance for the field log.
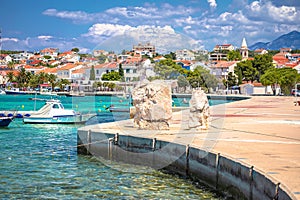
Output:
(221, 69)
(65, 71)
(185, 54)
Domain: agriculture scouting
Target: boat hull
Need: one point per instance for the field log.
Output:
(57, 119)
(5, 121)
(14, 92)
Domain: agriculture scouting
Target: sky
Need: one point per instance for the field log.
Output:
(116, 25)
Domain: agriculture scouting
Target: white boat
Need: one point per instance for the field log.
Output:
(2, 92)
(53, 112)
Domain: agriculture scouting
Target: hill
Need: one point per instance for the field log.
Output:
(289, 40)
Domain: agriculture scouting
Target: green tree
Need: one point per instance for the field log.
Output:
(51, 79)
(209, 80)
(10, 65)
(234, 55)
(171, 56)
(75, 50)
(230, 81)
(63, 83)
(285, 77)
(168, 69)
(239, 75)
(182, 82)
(121, 72)
(47, 57)
(248, 72)
(21, 78)
(92, 73)
(10, 76)
(111, 76)
(262, 63)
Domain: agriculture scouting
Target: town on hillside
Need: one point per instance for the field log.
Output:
(225, 70)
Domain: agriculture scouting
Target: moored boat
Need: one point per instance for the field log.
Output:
(53, 112)
(15, 91)
(5, 121)
(75, 94)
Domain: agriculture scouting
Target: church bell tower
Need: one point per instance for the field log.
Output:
(244, 50)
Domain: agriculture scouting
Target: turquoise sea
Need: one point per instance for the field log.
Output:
(41, 161)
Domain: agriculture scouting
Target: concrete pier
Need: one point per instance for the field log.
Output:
(251, 149)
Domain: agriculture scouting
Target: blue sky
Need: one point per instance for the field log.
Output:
(169, 25)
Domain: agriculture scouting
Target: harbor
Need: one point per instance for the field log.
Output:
(251, 148)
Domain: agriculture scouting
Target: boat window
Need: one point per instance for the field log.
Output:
(61, 106)
(55, 106)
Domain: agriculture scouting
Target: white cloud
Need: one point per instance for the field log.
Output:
(44, 37)
(75, 15)
(212, 3)
(107, 30)
(271, 13)
(118, 37)
(10, 39)
(188, 20)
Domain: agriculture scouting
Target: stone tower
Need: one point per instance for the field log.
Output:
(244, 50)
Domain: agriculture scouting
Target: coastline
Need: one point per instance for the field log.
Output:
(260, 132)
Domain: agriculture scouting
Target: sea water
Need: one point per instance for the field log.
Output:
(39, 161)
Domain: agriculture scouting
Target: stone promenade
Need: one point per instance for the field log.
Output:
(263, 132)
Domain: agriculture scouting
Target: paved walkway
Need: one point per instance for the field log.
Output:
(261, 131)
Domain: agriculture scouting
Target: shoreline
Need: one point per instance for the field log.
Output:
(254, 132)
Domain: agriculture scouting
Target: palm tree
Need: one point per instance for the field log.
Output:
(21, 79)
(42, 77)
(10, 65)
(52, 79)
(10, 76)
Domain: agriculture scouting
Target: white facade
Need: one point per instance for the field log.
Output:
(185, 55)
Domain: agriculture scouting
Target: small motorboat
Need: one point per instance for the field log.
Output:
(75, 94)
(5, 121)
(53, 112)
(15, 91)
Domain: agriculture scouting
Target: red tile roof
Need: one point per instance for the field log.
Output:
(224, 64)
(67, 66)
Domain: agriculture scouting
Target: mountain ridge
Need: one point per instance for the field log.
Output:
(289, 40)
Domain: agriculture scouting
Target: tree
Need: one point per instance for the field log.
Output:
(92, 73)
(47, 57)
(234, 55)
(168, 69)
(285, 77)
(10, 76)
(262, 63)
(121, 72)
(10, 65)
(171, 56)
(182, 82)
(239, 76)
(230, 81)
(52, 79)
(111, 76)
(21, 78)
(209, 80)
(75, 50)
(248, 72)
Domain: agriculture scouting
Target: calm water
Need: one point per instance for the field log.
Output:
(41, 161)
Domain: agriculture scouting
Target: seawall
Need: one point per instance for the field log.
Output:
(219, 172)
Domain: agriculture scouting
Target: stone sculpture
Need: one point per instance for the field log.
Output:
(199, 110)
(153, 105)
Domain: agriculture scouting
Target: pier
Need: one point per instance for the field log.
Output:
(250, 151)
